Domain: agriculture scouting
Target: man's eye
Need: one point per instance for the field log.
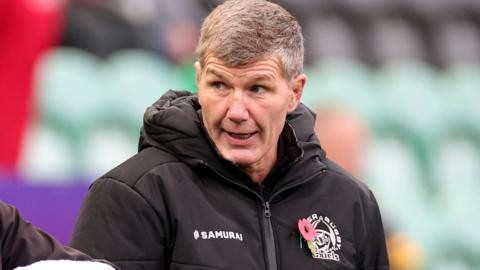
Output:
(258, 89)
(218, 85)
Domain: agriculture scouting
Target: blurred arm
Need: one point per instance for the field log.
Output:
(22, 243)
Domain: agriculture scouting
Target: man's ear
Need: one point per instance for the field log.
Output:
(198, 70)
(297, 85)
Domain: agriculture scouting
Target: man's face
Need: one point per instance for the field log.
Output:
(244, 108)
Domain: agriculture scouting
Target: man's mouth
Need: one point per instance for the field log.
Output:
(240, 136)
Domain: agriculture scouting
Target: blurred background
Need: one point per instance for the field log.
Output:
(394, 83)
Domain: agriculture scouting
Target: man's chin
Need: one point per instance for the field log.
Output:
(242, 158)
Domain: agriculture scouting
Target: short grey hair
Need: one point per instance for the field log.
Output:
(241, 32)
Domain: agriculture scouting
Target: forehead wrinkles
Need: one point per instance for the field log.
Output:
(261, 70)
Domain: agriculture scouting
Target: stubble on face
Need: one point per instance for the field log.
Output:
(244, 110)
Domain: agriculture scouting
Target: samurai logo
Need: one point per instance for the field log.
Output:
(327, 241)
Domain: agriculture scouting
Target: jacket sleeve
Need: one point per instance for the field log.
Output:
(117, 224)
(22, 243)
(374, 252)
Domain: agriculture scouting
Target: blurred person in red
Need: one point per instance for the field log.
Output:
(345, 136)
(27, 29)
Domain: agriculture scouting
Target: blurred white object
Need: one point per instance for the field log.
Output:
(104, 148)
(66, 264)
(46, 155)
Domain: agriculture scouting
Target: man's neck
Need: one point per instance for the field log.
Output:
(259, 171)
(257, 176)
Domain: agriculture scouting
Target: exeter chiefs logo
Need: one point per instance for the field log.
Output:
(325, 241)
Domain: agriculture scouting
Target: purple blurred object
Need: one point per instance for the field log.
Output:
(52, 208)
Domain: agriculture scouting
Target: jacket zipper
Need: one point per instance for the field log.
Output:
(270, 248)
(269, 238)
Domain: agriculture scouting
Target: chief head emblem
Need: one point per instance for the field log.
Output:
(326, 241)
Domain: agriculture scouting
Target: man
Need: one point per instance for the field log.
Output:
(22, 244)
(345, 136)
(234, 179)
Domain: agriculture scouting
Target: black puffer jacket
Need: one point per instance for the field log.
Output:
(178, 205)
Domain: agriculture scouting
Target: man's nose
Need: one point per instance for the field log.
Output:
(237, 111)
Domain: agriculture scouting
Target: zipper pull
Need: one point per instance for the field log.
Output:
(267, 212)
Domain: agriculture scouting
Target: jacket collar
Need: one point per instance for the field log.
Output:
(173, 123)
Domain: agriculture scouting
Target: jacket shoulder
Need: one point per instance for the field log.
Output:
(347, 181)
(130, 171)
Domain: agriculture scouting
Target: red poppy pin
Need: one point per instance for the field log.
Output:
(308, 233)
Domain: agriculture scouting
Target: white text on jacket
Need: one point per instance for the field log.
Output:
(206, 235)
